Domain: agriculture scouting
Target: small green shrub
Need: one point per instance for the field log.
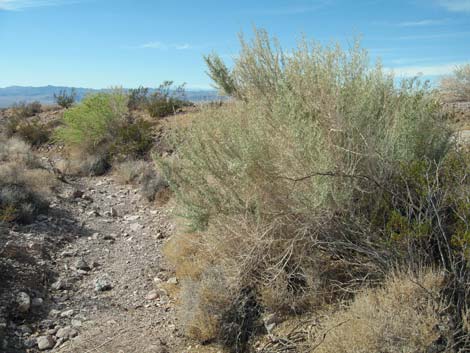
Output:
(89, 126)
(65, 99)
(132, 139)
(165, 101)
(138, 98)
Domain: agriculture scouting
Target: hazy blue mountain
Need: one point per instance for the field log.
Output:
(45, 94)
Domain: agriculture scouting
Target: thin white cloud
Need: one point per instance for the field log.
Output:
(455, 5)
(422, 23)
(435, 36)
(292, 9)
(426, 70)
(165, 46)
(15, 5)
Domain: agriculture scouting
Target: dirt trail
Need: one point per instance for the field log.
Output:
(103, 276)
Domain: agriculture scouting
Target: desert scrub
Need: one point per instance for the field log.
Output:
(30, 130)
(89, 125)
(138, 98)
(406, 314)
(153, 186)
(25, 110)
(99, 131)
(24, 184)
(456, 87)
(65, 99)
(291, 186)
(166, 100)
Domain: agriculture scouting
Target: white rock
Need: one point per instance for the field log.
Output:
(67, 313)
(45, 342)
(37, 302)
(24, 302)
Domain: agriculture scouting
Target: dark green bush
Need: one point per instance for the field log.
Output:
(132, 139)
(138, 98)
(166, 101)
(65, 99)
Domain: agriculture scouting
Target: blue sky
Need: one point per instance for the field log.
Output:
(100, 43)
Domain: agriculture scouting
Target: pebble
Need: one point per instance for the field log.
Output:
(152, 295)
(30, 342)
(67, 313)
(54, 313)
(68, 253)
(76, 323)
(82, 265)
(24, 302)
(103, 284)
(172, 280)
(135, 227)
(37, 302)
(132, 218)
(45, 342)
(66, 332)
(59, 284)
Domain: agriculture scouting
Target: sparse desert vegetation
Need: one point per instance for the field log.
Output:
(456, 87)
(321, 206)
(24, 184)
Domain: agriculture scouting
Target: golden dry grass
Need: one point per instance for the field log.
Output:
(401, 316)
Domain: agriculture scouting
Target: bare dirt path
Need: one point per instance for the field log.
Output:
(103, 279)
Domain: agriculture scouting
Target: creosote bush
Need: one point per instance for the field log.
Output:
(321, 177)
(65, 99)
(138, 98)
(165, 100)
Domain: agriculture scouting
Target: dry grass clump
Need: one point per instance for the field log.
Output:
(129, 172)
(24, 185)
(30, 130)
(406, 314)
(152, 184)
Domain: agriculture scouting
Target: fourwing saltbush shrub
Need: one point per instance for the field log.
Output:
(89, 126)
(291, 185)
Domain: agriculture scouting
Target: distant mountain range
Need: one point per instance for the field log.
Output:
(45, 94)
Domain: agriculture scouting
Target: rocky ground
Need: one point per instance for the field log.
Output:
(89, 276)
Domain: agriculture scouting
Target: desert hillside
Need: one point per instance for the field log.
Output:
(321, 206)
